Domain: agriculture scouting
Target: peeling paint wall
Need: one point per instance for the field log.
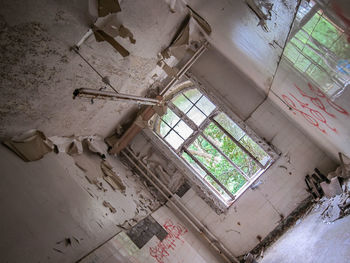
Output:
(180, 245)
(39, 72)
(257, 212)
(51, 213)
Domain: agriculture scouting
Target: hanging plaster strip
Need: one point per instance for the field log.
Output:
(101, 35)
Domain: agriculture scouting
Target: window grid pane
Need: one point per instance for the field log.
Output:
(220, 160)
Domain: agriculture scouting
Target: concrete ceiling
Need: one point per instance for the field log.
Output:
(39, 72)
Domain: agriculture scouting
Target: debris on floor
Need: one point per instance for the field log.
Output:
(30, 146)
(293, 218)
(319, 185)
(336, 207)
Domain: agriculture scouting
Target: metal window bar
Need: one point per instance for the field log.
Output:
(316, 64)
(172, 129)
(198, 131)
(208, 173)
(226, 157)
(238, 143)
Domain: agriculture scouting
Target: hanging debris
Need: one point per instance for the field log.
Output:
(111, 177)
(106, 7)
(101, 35)
(30, 146)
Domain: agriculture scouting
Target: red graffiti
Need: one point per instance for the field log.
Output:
(175, 232)
(311, 115)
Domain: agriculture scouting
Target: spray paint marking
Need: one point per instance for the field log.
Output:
(175, 232)
(316, 117)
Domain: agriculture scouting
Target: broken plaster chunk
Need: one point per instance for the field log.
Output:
(75, 147)
(108, 205)
(30, 146)
(111, 177)
(105, 7)
(96, 182)
(331, 189)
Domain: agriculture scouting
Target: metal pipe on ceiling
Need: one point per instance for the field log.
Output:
(108, 95)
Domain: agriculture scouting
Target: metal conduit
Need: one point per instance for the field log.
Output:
(195, 222)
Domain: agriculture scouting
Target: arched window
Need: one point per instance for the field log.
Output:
(218, 151)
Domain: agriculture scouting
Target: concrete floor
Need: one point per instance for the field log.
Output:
(311, 240)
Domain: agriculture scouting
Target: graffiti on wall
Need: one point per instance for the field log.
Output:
(313, 108)
(162, 249)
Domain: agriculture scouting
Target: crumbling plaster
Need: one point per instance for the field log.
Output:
(39, 72)
(50, 200)
(281, 188)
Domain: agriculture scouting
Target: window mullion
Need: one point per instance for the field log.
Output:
(182, 116)
(239, 144)
(227, 158)
(208, 173)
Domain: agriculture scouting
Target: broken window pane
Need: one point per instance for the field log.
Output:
(170, 118)
(174, 140)
(231, 127)
(217, 164)
(231, 150)
(205, 105)
(196, 116)
(183, 130)
(182, 103)
(193, 95)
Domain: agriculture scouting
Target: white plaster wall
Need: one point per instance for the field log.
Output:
(39, 72)
(328, 127)
(257, 212)
(237, 35)
(46, 201)
(189, 247)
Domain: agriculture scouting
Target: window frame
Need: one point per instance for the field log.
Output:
(198, 131)
(333, 75)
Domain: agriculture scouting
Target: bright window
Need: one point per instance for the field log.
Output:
(219, 152)
(319, 50)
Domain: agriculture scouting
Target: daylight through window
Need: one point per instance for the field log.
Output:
(217, 149)
(320, 50)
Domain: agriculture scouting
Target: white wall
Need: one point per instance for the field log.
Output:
(46, 201)
(258, 211)
(186, 247)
